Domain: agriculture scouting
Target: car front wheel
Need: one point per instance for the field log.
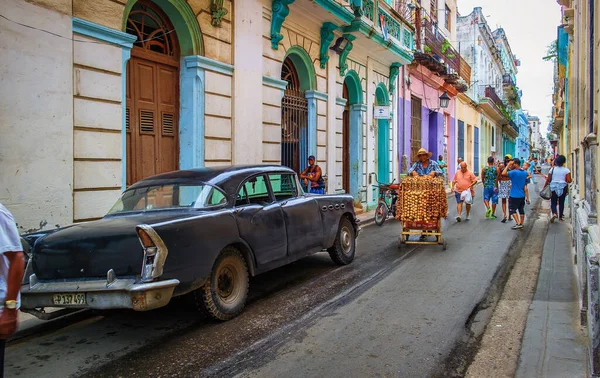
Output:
(342, 251)
(224, 294)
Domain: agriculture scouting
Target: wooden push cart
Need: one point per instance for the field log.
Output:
(421, 205)
(426, 232)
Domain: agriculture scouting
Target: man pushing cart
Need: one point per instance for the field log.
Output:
(422, 202)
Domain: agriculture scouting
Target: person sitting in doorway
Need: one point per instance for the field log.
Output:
(313, 177)
(425, 166)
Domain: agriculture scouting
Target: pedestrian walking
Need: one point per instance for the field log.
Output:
(531, 169)
(558, 178)
(444, 167)
(458, 161)
(425, 166)
(462, 185)
(516, 202)
(504, 186)
(11, 274)
(526, 168)
(490, 188)
(313, 177)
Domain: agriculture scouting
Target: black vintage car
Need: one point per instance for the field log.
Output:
(200, 231)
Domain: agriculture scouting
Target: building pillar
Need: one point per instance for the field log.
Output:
(247, 82)
(331, 125)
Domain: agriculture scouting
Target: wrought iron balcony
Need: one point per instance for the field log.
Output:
(432, 41)
(490, 93)
(508, 81)
(397, 25)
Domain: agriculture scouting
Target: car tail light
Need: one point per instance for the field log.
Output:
(155, 253)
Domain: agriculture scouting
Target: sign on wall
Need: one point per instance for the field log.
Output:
(381, 112)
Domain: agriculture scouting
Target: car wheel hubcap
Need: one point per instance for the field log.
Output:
(346, 239)
(225, 283)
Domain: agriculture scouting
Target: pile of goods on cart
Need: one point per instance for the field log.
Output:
(422, 203)
(422, 199)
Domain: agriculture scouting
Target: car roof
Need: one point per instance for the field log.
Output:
(226, 177)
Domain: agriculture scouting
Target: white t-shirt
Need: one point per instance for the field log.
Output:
(9, 242)
(559, 174)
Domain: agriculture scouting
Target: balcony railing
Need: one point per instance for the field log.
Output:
(508, 81)
(397, 25)
(490, 93)
(433, 42)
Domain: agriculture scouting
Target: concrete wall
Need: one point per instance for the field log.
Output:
(97, 127)
(36, 115)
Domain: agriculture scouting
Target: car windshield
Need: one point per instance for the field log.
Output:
(199, 196)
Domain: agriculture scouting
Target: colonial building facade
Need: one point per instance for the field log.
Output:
(574, 130)
(437, 70)
(127, 89)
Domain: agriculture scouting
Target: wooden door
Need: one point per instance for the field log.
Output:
(346, 142)
(152, 115)
(152, 94)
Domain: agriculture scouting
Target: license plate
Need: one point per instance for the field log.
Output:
(69, 299)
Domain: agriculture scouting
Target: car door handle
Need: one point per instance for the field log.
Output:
(284, 203)
(237, 211)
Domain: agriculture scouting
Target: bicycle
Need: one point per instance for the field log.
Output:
(386, 202)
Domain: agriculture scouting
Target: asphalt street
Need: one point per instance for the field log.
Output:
(392, 312)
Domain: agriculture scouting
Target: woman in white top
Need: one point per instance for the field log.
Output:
(558, 178)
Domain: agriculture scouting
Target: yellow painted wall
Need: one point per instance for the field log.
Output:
(468, 114)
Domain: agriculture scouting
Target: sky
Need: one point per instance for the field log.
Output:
(530, 26)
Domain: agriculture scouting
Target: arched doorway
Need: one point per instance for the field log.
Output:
(152, 92)
(383, 136)
(294, 119)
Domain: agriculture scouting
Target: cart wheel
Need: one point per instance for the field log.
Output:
(444, 245)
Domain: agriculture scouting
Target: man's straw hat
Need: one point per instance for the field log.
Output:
(423, 151)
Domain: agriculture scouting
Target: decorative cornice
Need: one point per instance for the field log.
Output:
(345, 52)
(326, 39)
(102, 33)
(217, 11)
(279, 11)
(208, 64)
(394, 71)
(275, 83)
(359, 107)
(341, 101)
(316, 94)
(365, 29)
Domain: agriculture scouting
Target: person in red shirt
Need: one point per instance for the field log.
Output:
(463, 180)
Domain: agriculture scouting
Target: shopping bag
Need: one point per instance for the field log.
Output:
(546, 193)
(466, 196)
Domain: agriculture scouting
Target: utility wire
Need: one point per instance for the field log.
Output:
(79, 40)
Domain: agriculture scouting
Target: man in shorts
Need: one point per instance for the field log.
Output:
(516, 202)
(463, 180)
(489, 175)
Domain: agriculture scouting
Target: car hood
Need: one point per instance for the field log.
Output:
(91, 249)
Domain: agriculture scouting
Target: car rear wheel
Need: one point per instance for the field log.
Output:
(224, 294)
(342, 251)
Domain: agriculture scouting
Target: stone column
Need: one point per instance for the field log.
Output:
(247, 82)
(331, 125)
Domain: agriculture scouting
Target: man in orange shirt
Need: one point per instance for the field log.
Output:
(463, 180)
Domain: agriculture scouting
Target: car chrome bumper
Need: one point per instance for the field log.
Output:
(122, 293)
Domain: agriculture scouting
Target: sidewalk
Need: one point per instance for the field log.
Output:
(554, 345)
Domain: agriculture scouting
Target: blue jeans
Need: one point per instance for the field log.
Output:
(560, 201)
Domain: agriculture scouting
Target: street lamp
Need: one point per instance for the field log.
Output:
(444, 100)
(340, 45)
